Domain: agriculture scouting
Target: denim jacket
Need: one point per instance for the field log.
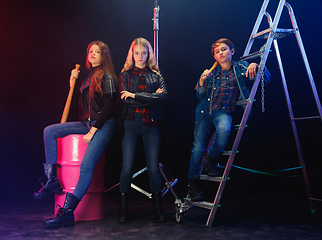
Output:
(204, 92)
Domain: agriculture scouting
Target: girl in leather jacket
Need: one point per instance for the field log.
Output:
(142, 90)
(98, 93)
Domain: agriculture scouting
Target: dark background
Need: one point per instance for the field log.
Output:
(41, 41)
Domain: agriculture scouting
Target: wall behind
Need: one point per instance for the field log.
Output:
(42, 41)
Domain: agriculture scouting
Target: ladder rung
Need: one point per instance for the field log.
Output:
(202, 204)
(280, 32)
(304, 118)
(316, 199)
(207, 178)
(262, 34)
(242, 102)
(251, 56)
(236, 127)
(283, 32)
(227, 153)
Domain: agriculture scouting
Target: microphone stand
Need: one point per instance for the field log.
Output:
(155, 20)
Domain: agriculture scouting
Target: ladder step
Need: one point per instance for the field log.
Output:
(252, 55)
(207, 178)
(304, 118)
(242, 102)
(202, 204)
(227, 153)
(236, 127)
(280, 33)
(316, 199)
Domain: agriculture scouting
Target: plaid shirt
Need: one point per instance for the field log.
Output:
(225, 93)
(204, 95)
(145, 111)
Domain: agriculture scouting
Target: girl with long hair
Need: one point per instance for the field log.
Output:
(98, 93)
(142, 90)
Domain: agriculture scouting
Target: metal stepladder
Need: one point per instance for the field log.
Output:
(271, 35)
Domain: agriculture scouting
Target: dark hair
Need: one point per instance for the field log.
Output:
(106, 66)
(222, 40)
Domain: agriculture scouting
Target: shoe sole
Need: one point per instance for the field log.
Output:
(69, 224)
(56, 190)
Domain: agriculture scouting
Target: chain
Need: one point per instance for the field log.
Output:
(212, 94)
(262, 51)
(262, 85)
(263, 93)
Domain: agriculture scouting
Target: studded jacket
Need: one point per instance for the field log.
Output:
(154, 80)
(97, 108)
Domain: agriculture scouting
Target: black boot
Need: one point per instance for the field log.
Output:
(211, 168)
(157, 208)
(52, 184)
(64, 216)
(193, 190)
(124, 208)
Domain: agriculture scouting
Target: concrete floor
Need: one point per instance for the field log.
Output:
(235, 219)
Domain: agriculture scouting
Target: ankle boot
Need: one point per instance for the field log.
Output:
(64, 216)
(123, 216)
(52, 184)
(193, 190)
(211, 168)
(157, 208)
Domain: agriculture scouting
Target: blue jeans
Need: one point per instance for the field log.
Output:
(94, 149)
(221, 120)
(151, 140)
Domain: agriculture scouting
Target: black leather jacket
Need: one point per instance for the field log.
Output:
(154, 80)
(92, 107)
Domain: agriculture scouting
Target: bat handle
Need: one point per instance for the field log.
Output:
(211, 69)
(69, 99)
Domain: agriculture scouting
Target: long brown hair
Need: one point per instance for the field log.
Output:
(151, 61)
(106, 66)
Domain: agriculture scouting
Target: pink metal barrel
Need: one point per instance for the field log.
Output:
(71, 150)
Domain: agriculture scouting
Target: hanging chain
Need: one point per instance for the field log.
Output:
(262, 50)
(263, 93)
(212, 94)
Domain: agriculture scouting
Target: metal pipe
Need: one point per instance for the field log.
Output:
(155, 20)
